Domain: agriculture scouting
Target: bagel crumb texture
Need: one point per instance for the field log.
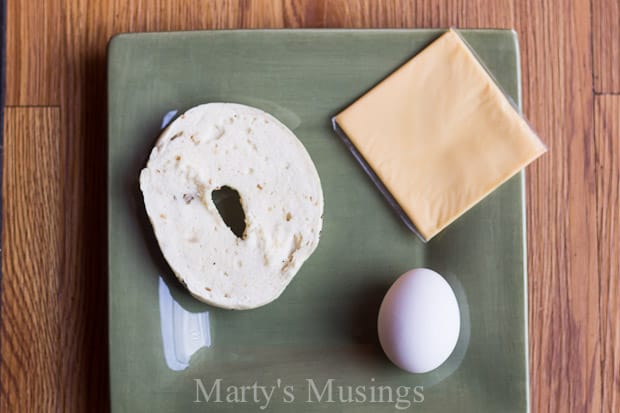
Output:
(220, 145)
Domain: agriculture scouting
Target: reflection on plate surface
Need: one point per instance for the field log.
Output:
(183, 333)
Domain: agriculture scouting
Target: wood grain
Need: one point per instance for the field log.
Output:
(563, 263)
(33, 46)
(83, 283)
(607, 143)
(32, 262)
(606, 43)
(56, 56)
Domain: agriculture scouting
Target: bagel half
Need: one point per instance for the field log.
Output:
(218, 145)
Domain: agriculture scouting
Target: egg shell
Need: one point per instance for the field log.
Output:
(419, 321)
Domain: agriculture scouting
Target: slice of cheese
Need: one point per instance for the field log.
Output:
(439, 134)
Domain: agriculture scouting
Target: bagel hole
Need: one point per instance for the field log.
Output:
(228, 203)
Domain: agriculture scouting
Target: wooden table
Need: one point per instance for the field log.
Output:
(54, 322)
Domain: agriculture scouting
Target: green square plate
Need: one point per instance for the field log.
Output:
(321, 333)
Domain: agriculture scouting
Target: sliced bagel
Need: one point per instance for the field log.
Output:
(220, 145)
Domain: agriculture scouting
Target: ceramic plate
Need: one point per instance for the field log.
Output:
(316, 347)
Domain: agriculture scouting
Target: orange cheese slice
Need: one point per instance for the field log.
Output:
(440, 134)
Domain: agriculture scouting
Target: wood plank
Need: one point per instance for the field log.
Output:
(563, 269)
(33, 45)
(607, 144)
(424, 13)
(32, 260)
(606, 44)
(83, 282)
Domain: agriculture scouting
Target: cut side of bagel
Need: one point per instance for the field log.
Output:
(246, 151)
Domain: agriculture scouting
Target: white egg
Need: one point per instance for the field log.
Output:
(419, 321)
